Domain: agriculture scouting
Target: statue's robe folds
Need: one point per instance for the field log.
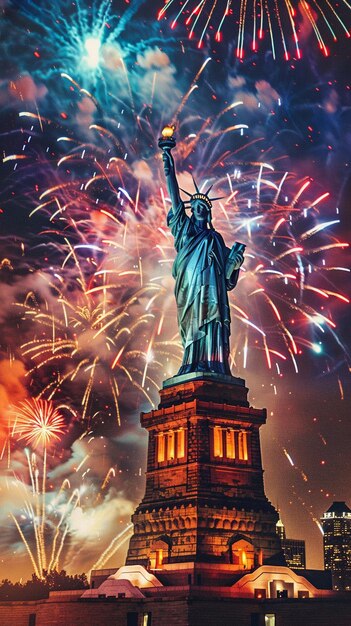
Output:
(201, 294)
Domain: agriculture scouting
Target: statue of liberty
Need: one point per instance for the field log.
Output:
(204, 271)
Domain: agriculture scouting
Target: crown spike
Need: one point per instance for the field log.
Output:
(195, 185)
(219, 198)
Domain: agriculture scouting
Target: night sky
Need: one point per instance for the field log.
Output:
(88, 319)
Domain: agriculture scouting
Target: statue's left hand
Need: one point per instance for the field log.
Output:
(235, 259)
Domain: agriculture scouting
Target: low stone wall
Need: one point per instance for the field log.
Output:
(195, 610)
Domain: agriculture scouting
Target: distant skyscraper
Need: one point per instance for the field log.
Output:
(294, 549)
(336, 523)
(281, 530)
(295, 553)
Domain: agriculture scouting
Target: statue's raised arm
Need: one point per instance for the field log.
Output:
(177, 218)
(171, 179)
(204, 271)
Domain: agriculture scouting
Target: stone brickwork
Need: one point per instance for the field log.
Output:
(200, 503)
(101, 612)
(188, 609)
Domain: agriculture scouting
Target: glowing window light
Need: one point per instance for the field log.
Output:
(230, 444)
(180, 443)
(242, 441)
(159, 560)
(217, 442)
(243, 559)
(170, 446)
(160, 448)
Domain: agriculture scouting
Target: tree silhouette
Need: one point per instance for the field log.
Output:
(36, 588)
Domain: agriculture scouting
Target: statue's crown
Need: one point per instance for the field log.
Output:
(203, 197)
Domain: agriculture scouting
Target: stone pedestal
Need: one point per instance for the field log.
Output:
(204, 498)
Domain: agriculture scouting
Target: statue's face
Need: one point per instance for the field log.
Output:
(200, 210)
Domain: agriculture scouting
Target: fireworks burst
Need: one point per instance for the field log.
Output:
(114, 210)
(285, 285)
(85, 40)
(282, 22)
(38, 422)
(86, 338)
(99, 321)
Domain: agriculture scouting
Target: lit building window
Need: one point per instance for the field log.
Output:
(243, 455)
(170, 445)
(218, 441)
(160, 448)
(230, 444)
(180, 443)
(269, 619)
(159, 558)
(147, 619)
(243, 559)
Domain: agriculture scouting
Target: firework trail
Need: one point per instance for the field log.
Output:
(115, 545)
(40, 424)
(279, 21)
(48, 521)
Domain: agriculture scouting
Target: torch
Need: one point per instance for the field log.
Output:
(167, 141)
